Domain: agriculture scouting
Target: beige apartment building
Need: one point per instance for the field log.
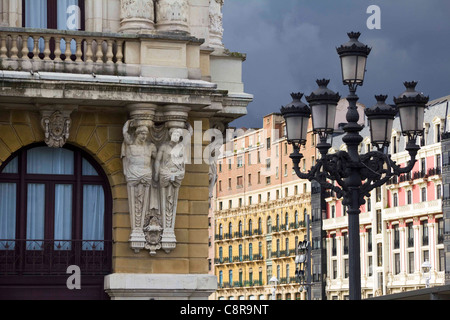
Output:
(258, 214)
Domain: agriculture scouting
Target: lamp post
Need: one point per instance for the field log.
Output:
(349, 174)
(303, 263)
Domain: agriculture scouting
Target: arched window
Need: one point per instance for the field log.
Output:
(55, 209)
(240, 229)
(230, 229)
(269, 225)
(250, 227)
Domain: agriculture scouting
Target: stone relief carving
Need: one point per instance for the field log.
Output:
(216, 23)
(172, 15)
(56, 125)
(154, 167)
(137, 9)
(137, 154)
(170, 170)
(137, 15)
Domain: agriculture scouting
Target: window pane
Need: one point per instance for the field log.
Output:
(44, 160)
(63, 216)
(35, 216)
(93, 217)
(12, 167)
(88, 169)
(67, 15)
(7, 215)
(36, 14)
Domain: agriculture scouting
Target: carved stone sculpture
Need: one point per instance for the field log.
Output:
(172, 15)
(56, 127)
(170, 171)
(136, 15)
(215, 23)
(138, 155)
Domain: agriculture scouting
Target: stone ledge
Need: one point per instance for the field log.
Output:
(126, 286)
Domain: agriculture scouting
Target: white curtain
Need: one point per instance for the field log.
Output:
(36, 14)
(93, 216)
(63, 216)
(35, 215)
(7, 215)
(44, 160)
(36, 17)
(12, 167)
(88, 169)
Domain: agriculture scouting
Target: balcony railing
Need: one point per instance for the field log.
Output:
(51, 257)
(24, 49)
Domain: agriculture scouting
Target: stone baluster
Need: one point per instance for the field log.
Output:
(89, 51)
(79, 52)
(99, 51)
(68, 51)
(3, 48)
(109, 52)
(36, 47)
(119, 54)
(57, 49)
(14, 49)
(47, 51)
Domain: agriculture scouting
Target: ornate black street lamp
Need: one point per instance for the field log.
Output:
(349, 174)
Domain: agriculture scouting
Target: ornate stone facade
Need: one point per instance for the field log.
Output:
(154, 166)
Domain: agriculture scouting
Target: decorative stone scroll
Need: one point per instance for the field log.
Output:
(154, 167)
(56, 126)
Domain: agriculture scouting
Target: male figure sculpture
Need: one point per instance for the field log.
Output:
(137, 154)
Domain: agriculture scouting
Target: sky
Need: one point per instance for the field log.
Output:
(291, 43)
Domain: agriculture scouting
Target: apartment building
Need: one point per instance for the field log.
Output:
(401, 224)
(259, 214)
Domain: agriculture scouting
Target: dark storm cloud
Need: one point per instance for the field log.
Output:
(291, 43)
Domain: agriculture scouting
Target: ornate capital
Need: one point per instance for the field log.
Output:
(136, 15)
(172, 15)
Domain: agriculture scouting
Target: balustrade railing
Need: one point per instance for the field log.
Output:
(23, 49)
(53, 257)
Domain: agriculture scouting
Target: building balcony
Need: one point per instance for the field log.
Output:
(53, 257)
(416, 209)
(82, 52)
